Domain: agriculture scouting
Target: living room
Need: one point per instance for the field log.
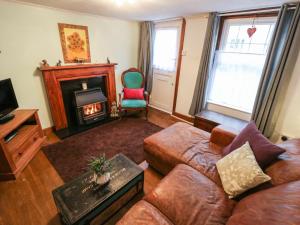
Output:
(149, 112)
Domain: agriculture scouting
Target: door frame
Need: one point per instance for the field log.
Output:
(178, 67)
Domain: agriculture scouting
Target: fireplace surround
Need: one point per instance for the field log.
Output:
(97, 76)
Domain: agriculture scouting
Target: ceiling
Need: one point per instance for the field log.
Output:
(154, 9)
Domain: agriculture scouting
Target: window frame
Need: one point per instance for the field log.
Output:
(228, 110)
(246, 16)
(241, 22)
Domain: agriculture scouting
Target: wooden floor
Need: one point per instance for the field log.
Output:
(28, 200)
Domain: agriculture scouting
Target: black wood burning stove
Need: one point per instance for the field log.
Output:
(90, 106)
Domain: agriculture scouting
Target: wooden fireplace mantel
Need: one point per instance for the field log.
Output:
(46, 68)
(53, 75)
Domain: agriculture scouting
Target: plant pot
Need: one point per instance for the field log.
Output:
(102, 179)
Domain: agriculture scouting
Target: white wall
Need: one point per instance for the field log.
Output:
(192, 50)
(289, 120)
(29, 34)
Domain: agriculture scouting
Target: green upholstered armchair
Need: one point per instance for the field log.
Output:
(133, 79)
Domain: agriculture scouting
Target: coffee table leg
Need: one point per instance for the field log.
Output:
(85, 222)
(62, 219)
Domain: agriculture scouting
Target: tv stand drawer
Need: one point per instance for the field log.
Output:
(22, 150)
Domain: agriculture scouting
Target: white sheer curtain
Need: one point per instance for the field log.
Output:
(235, 79)
(239, 62)
(165, 49)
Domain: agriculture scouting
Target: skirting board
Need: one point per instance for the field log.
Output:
(184, 117)
(48, 130)
(176, 115)
(159, 109)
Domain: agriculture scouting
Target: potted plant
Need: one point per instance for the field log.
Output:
(101, 168)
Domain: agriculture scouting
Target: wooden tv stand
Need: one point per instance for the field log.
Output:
(17, 153)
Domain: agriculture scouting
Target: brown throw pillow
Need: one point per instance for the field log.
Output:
(265, 152)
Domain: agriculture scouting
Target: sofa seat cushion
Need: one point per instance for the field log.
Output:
(203, 157)
(186, 197)
(183, 143)
(286, 168)
(143, 213)
(278, 205)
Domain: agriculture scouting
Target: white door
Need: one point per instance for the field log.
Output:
(166, 47)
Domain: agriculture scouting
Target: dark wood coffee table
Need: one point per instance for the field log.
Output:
(78, 202)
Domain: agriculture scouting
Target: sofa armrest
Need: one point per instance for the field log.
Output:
(222, 135)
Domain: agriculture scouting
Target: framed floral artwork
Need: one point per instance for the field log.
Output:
(75, 43)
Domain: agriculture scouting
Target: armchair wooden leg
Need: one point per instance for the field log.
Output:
(120, 112)
(147, 110)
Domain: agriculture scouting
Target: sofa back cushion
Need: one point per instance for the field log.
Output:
(287, 167)
(277, 205)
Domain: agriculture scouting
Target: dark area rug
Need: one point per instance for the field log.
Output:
(70, 156)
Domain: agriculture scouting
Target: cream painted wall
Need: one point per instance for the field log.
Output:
(289, 120)
(29, 34)
(192, 50)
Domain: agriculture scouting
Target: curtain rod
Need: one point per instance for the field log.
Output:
(241, 12)
(166, 20)
(260, 10)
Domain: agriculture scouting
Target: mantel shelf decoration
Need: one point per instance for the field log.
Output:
(75, 43)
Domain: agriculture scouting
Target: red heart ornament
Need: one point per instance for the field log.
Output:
(251, 31)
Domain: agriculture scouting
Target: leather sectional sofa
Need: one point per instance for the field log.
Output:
(191, 193)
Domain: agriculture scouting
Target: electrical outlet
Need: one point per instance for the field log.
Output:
(284, 137)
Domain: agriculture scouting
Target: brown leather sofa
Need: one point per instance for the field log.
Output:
(192, 194)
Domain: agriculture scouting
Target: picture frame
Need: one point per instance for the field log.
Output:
(75, 43)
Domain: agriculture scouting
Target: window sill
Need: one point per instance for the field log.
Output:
(228, 106)
(227, 110)
(207, 120)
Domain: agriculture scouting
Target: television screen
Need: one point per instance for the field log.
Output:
(8, 101)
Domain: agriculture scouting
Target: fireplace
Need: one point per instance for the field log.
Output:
(74, 108)
(90, 106)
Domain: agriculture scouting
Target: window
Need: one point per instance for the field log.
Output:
(165, 49)
(239, 61)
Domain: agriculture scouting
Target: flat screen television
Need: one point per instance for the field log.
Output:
(8, 100)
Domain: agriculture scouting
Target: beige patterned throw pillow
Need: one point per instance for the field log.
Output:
(240, 172)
